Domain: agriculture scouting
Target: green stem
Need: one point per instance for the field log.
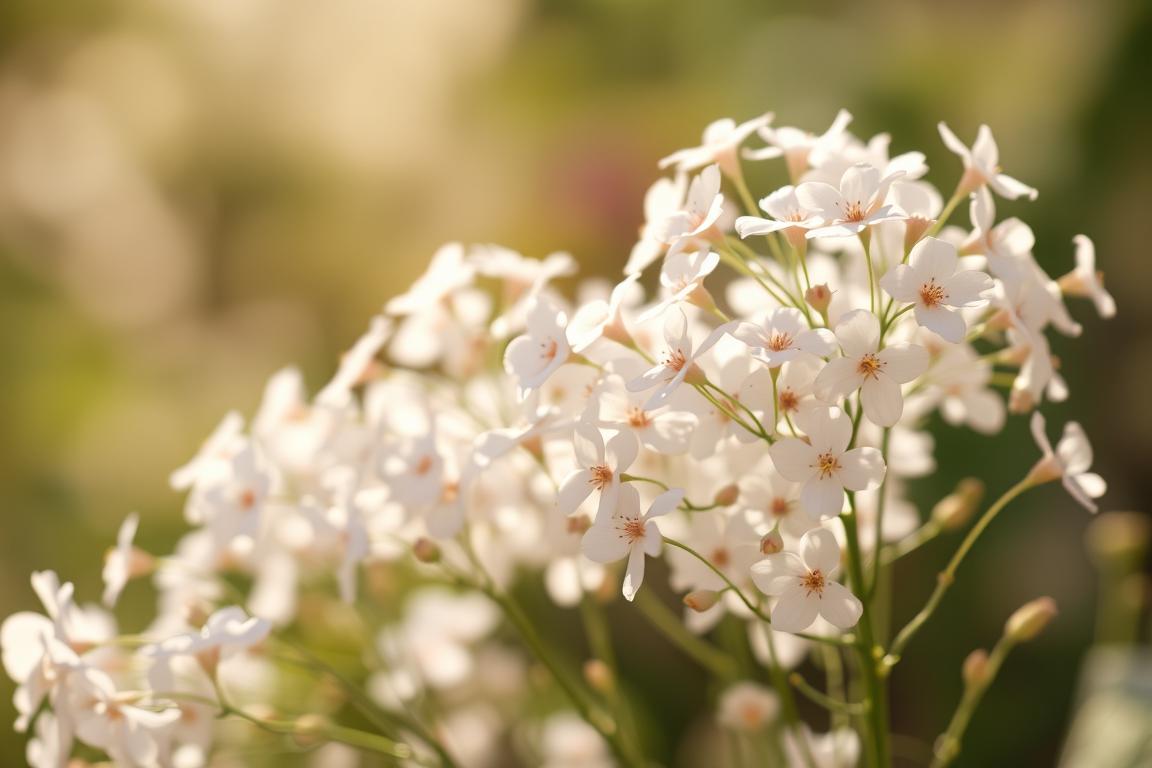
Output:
(878, 526)
(661, 616)
(833, 705)
(948, 745)
(948, 575)
(600, 640)
(945, 214)
(875, 686)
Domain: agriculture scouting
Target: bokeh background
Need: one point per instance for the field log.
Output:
(195, 193)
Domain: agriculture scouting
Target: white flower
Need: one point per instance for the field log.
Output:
(356, 365)
(803, 586)
(857, 204)
(788, 216)
(115, 722)
(569, 742)
(930, 282)
(1085, 281)
(629, 534)
(678, 362)
(536, 355)
(226, 632)
(836, 749)
(962, 377)
(796, 145)
(682, 278)
(664, 429)
(1069, 462)
(663, 200)
(982, 164)
(747, 706)
(721, 140)
(604, 319)
(785, 336)
(823, 462)
(775, 501)
(124, 561)
(447, 272)
(600, 467)
(877, 373)
(794, 385)
(701, 209)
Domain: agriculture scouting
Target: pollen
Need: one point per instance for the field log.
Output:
(870, 366)
(932, 294)
(424, 466)
(638, 418)
(548, 349)
(813, 583)
(601, 477)
(675, 359)
(780, 506)
(853, 211)
(827, 464)
(788, 400)
(633, 530)
(779, 341)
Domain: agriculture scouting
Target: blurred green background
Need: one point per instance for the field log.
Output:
(196, 192)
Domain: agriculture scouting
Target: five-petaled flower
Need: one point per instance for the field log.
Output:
(803, 587)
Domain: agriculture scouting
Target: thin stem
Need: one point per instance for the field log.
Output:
(948, 745)
(600, 640)
(875, 687)
(865, 237)
(788, 702)
(835, 706)
(662, 618)
(911, 542)
(948, 575)
(945, 214)
(370, 742)
(878, 526)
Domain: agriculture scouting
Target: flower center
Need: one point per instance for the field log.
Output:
(779, 341)
(827, 464)
(424, 466)
(548, 349)
(853, 211)
(675, 359)
(869, 366)
(813, 582)
(780, 506)
(601, 477)
(932, 294)
(788, 400)
(720, 557)
(633, 530)
(638, 418)
(247, 499)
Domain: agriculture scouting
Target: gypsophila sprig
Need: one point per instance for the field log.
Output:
(745, 435)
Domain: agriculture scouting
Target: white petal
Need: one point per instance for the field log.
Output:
(946, 323)
(932, 257)
(1038, 434)
(822, 498)
(840, 377)
(903, 362)
(861, 469)
(840, 607)
(1012, 188)
(902, 283)
(794, 611)
(575, 488)
(829, 429)
(634, 576)
(984, 150)
(1074, 450)
(858, 333)
(820, 550)
(966, 288)
(777, 572)
(589, 445)
(818, 197)
(666, 502)
(952, 142)
(1091, 484)
(603, 543)
(794, 459)
(621, 451)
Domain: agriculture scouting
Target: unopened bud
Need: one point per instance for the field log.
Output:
(914, 229)
(310, 729)
(578, 525)
(957, 508)
(1030, 619)
(598, 675)
(727, 496)
(1118, 541)
(701, 600)
(426, 551)
(975, 669)
(772, 542)
(819, 297)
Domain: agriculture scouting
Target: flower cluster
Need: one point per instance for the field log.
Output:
(753, 421)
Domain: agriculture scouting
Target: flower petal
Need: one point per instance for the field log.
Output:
(575, 488)
(904, 362)
(794, 611)
(861, 469)
(775, 573)
(839, 606)
(820, 550)
(822, 498)
(794, 459)
(603, 543)
(634, 576)
(858, 333)
(946, 323)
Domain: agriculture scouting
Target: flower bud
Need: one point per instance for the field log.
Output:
(914, 229)
(727, 496)
(819, 297)
(701, 600)
(426, 550)
(1030, 619)
(975, 669)
(772, 542)
(598, 675)
(957, 508)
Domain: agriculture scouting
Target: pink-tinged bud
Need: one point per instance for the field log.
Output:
(772, 542)
(701, 600)
(426, 551)
(975, 669)
(1001, 321)
(819, 297)
(727, 496)
(1030, 619)
(598, 675)
(957, 508)
(914, 229)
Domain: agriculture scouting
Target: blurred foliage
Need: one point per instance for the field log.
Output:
(195, 193)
